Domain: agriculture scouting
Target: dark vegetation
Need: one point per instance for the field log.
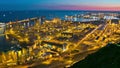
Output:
(107, 57)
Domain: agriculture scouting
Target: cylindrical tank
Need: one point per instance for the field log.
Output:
(2, 28)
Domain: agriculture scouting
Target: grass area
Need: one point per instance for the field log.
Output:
(107, 57)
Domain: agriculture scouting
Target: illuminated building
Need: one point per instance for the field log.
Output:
(53, 45)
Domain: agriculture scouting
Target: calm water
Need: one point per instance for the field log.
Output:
(6, 16)
(4, 44)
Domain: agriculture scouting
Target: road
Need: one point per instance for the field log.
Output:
(63, 63)
(75, 58)
(89, 34)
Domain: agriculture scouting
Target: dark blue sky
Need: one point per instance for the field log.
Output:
(60, 4)
(18, 4)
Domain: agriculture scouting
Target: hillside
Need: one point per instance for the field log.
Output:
(107, 57)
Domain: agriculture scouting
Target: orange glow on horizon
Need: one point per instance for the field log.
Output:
(103, 8)
(82, 7)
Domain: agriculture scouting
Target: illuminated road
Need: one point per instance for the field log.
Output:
(54, 36)
(74, 58)
(61, 63)
(88, 35)
(52, 63)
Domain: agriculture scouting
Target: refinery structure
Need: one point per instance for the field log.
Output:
(58, 43)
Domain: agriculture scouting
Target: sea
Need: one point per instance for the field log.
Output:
(7, 16)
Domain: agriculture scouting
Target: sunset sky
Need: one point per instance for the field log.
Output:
(113, 5)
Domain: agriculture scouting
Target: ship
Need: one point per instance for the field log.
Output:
(2, 28)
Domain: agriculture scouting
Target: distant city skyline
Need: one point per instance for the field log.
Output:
(113, 5)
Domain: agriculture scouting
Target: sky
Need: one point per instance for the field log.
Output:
(113, 5)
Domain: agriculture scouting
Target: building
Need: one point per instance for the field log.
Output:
(54, 45)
